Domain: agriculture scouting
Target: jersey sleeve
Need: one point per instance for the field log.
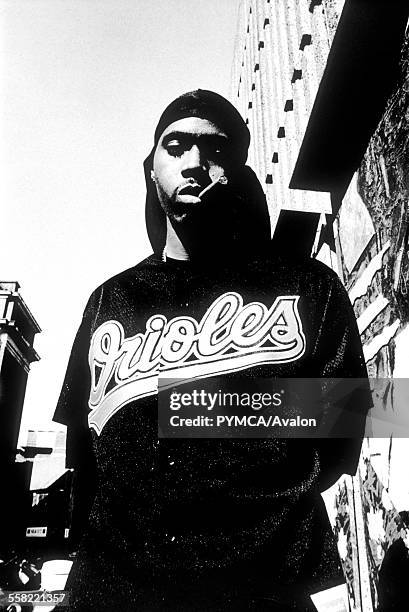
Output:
(340, 359)
(72, 405)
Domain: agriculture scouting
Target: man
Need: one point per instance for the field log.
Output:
(204, 524)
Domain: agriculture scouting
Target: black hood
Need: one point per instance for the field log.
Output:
(245, 202)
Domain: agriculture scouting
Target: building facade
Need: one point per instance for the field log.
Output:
(281, 51)
(17, 331)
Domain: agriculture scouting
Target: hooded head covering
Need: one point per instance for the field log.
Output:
(212, 107)
(208, 105)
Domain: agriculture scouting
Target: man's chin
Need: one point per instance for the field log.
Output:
(186, 215)
(180, 218)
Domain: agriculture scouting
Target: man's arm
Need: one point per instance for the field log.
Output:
(340, 355)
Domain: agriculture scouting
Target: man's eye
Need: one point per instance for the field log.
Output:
(174, 148)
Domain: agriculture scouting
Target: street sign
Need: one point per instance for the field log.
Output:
(36, 532)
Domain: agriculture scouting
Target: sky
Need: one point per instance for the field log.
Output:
(83, 83)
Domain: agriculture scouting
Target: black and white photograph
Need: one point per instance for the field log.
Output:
(204, 314)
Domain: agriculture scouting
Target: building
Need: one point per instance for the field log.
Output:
(46, 523)
(17, 331)
(281, 52)
(47, 448)
(322, 85)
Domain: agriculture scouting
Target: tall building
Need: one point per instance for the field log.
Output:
(17, 331)
(281, 51)
(322, 90)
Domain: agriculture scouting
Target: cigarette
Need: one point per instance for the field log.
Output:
(223, 180)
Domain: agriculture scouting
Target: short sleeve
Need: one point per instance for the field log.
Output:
(72, 405)
(339, 353)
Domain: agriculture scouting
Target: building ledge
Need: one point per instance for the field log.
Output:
(360, 74)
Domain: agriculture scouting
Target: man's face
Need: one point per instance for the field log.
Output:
(190, 154)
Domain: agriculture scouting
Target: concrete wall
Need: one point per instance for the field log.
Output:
(281, 51)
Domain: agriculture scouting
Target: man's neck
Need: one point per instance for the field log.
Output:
(174, 247)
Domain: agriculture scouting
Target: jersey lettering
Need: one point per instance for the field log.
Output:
(230, 337)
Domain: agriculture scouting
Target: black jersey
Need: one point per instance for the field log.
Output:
(187, 524)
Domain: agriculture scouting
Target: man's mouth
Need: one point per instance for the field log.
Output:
(188, 194)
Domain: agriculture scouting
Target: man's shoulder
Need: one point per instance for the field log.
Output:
(306, 269)
(132, 279)
(135, 273)
(322, 281)
(320, 270)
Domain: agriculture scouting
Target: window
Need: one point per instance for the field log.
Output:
(297, 75)
(305, 41)
(313, 4)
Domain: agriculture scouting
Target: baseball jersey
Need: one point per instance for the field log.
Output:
(187, 524)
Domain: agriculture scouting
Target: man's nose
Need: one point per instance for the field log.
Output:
(193, 160)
